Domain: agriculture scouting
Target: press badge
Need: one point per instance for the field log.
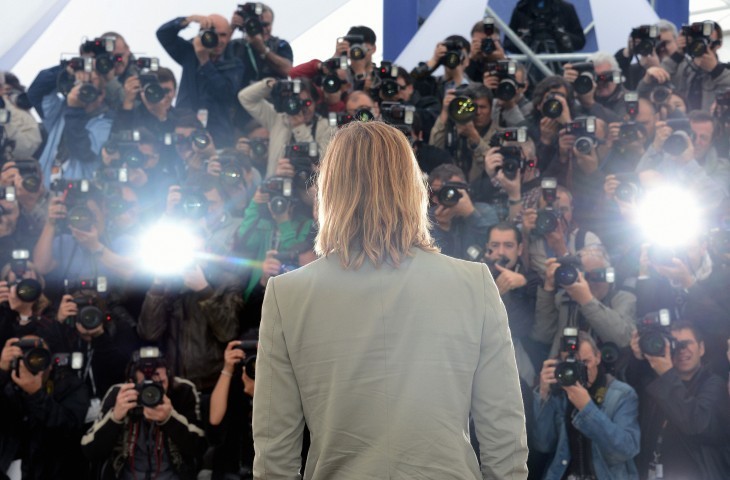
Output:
(94, 410)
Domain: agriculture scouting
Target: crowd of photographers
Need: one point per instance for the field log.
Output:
(114, 366)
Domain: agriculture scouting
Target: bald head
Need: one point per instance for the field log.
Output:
(223, 29)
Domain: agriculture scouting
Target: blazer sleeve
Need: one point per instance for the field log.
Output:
(278, 416)
(496, 402)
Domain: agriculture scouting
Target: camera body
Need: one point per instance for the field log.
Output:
(76, 194)
(250, 348)
(151, 393)
(454, 54)
(302, 156)
(357, 46)
(645, 38)
(584, 128)
(29, 171)
(90, 314)
(698, 37)
(100, 48)
(654, 333)
(36, 356)
(281, 193)
(330, 82)
(387, 86)
(504, 70)
(449, 194)
(251, 14)
(547, 218)
(285, 96)
(488, 46)
(571, 370)
(340, 119)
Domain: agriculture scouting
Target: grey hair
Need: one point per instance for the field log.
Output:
(665, 25)
(603, 57)
(596, 250)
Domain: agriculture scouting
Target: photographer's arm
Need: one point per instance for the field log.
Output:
(253, 99)
(183, 426)
(168, 35)
(153, 318)
(282, 64)
(615, 323)
(545, 327)
(77, 137)
(44, 84)
(64, 409)
(101, 438)
(43, 250)
(438, 134)
(222, 312)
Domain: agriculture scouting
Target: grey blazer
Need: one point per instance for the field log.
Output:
(384, 366)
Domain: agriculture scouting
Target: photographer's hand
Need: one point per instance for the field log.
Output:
(4, 292)
(284, 168)
(464, 207)
(551, 264)
(126, 400)
(657, 75)
(580, 291)
(663, 364)
(578, 396)
(492, 160)
(89, 240)
(529, 217)
(634, 343)
(569, 73)
(249, 385)
(508, 280)
(587, 163)
(132, 87)
(67, 308)
(438, 54)
(468, 131)
(270, 268)
(201, 51)
(232, 356)
(556, 240)
(512, 186)
(194, 278)
(214, 167)
(678, 272)
(161, 413)
(27, 382)
(547, 377)
(10, 352)
(448, 97)
(56, 210)
(173, 198)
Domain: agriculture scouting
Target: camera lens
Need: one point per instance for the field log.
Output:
(645, 47)
(506, 90)
(331, 84)
(90, 317)
(357, 53)
(583, 84)
(292, 105)
(697, 48)
(194, 205)
(626, 192)
(652, 343)
(278, 205)
(552, 108)
(253, 27)
(364, 115)
(660, 95)
(88, 93)
(462, 109)
(28, 290)
(104, 64)
(566, 275)
(209, 38)
(37, 359)
(389, 89)
(154, 93)
(584, 145)
(451, 59)
(150, 394)
(567, 374)
(449, 196)
(200, 140)
(31, 183)
(259, 148)
(231, 175)
(609, 353)
(676, 144)
(250, 367)
(546, 222)
(488, 46)
(81, 218)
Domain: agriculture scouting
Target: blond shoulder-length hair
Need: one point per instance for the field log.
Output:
(372, 197)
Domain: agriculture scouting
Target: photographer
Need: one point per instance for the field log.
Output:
(32, 196)
(77, 125)
(594, 305)
(303, 126)
(699, 77)
(138, 440)
(590, 426)
(516, 110)
(124, 68)
(554, 102)
(457, 222)
(20, 135)
(263, 55)
(666, 45)
(486, 47)
(684, 409)
(361, 68)
(606, 97)
(628, 141)
(467, 138)
(546, 26)
(12, 235)
(211, 74)
(42, 410)
(137, 111)
(453, 54)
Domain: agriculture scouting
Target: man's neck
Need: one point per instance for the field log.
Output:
(688, 376)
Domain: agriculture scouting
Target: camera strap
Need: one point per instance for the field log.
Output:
(656, 469)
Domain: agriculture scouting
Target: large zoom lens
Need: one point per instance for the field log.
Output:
(566, 275)
(547, 222)
(208, 38)
(28, 290)
(88, 93)
(552, 108)
(449, 196)
(652, 343)
(506, 90)
(154, 93)
(331, 84)
(462, 109)
(90, 317)
(451, 59)
(584, 145)
(250, 367)
(150, 393)
(584, 83)
(569, 373)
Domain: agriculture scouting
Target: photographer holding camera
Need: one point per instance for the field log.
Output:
(579, 291)
(358, 45)
(149, 426)
(42, 408)
(156, 113)
(211, 74)
(263, 55)
(684, 408)
(546, 26)
(651, 44)
(284, 122)
(31, 195)
(457, 222)
(486, 47)
(453, 54)
(589, 424)
(77, 124)
(598, 86)
(514, 108)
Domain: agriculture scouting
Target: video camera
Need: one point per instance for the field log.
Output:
(151, 393)
(698, 37)
(504, 70)
(570, 371)
(251, 14)
(645, 39)
(584, 128)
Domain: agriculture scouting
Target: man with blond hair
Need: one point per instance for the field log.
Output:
(383, 346)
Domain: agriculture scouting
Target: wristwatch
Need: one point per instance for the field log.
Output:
(266, 52)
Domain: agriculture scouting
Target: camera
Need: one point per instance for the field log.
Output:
(340, 119)
(74, 360)
(505, 71)
(153, 91)
(357, 46)
(516, 134)
(148, 63)
(280, 190)
(29, 171)
(208, 38)
(462, 109)
(397, 114)
(232, 169)
(302, 155)
(629, 131)
(251, 14)
(387, 74)
(454, 54)
(19, 262)
(28, 290)
(513, 161)
(90, 316)
(629, 188)
(147, 360)
(567, 273)
(78, 215)
(488, 46)
(331, 83)
(289, 260)
(586, 77)
(259, 147)
(698, 37)
(193, 203)
(249, 347)
(681, 137)
(584, 128)
(449, 194)
(570, 371)
(502, 261)
(551, 106)
(126, 144)
(35, 356)
(285, 97)
(654, 333)
(547, 218)
(645, 39)
(101, 48)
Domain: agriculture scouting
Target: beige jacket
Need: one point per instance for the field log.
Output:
(384, 366)
(254, 99)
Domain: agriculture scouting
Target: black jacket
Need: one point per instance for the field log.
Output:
(541, 24)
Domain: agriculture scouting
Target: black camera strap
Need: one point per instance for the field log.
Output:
(655, 465)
